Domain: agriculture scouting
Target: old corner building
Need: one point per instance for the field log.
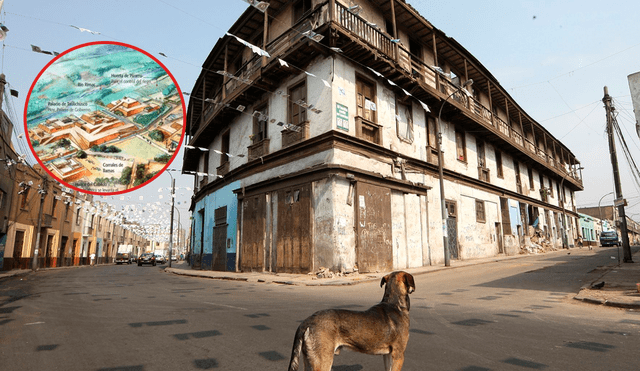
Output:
(313, 136)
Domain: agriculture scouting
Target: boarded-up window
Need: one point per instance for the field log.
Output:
(404, 122)
(23, 200)
(506, 220)
(480, 213)
(461, 147)
(432, 135)
(298, 97)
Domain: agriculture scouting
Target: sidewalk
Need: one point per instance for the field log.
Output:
(619, 290)
(182, 268)
(620, 286)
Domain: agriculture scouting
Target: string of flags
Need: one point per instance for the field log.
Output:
(37, 49)
(85, 30)
(260, 5)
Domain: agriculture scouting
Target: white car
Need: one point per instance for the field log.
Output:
(160, 259)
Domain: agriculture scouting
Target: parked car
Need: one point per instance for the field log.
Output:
(609, 238)
(174, 258)
(146, 258)
(123, 257)
(160, 258)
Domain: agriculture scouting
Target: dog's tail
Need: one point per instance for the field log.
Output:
(296, 352)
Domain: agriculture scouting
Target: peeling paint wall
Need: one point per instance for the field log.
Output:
(334, 235)
(214, 200)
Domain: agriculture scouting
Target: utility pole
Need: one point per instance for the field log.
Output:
(619, 201)
(42, 190)
(173, 197)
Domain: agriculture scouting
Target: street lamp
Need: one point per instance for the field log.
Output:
(445, 237)
(173, 197)
(600, 210)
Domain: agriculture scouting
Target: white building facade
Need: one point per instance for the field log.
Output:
(324, 153)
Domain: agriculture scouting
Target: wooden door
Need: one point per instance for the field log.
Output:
(253, 233)
(17, 249)
(219, 248)
(293, 247)
(374, 249)
(452, 229)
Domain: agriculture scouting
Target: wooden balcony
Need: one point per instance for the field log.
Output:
(362, 41)
(298, 134)
(258, 149)
(223, 169)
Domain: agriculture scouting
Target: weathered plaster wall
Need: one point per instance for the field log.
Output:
(334, 235)
(214, 200)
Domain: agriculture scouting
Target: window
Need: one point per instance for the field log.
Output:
(480, 214)
(205, 162)
(404, 122)
(516, 169)
(480, 150)
(366, 127)
(224, 148)
(389, 26)
(298, 97)
(499, 164)
(461, 147)
(260, 124)
(23, 200)
(300, 8)
(531, 183)
(415, 48)
(53, 206)
(366, 100)
(432, 135)
(506, 220)
(78, 215)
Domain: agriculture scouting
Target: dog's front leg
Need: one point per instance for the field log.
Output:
(388, 362)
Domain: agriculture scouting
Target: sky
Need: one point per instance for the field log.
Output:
(552, 57)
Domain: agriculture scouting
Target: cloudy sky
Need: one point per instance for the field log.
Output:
(554, 58)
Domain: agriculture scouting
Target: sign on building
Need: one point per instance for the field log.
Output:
(342, 116)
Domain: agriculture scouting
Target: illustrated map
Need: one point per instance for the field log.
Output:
(104, 118)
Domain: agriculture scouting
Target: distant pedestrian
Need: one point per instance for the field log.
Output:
(93, 259)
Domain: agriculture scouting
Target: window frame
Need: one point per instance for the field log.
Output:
(461, 145)
(499, 167)
(302, 112)
(258, 128)
(481, 212)
(409, 124)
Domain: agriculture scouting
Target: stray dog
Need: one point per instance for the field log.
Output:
(382, 329)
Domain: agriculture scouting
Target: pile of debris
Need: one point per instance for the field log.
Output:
(327, 273)
(539, 244)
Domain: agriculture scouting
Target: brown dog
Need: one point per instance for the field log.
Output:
(382, 329)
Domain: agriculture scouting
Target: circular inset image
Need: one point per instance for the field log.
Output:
(105, 118)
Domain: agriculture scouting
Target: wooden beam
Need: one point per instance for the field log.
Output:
(395, 29)
(265, 34)
(435, 60)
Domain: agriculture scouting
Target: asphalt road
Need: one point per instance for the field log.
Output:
(510, 315)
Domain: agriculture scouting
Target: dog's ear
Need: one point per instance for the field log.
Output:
(408, 282)
(384, 280)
